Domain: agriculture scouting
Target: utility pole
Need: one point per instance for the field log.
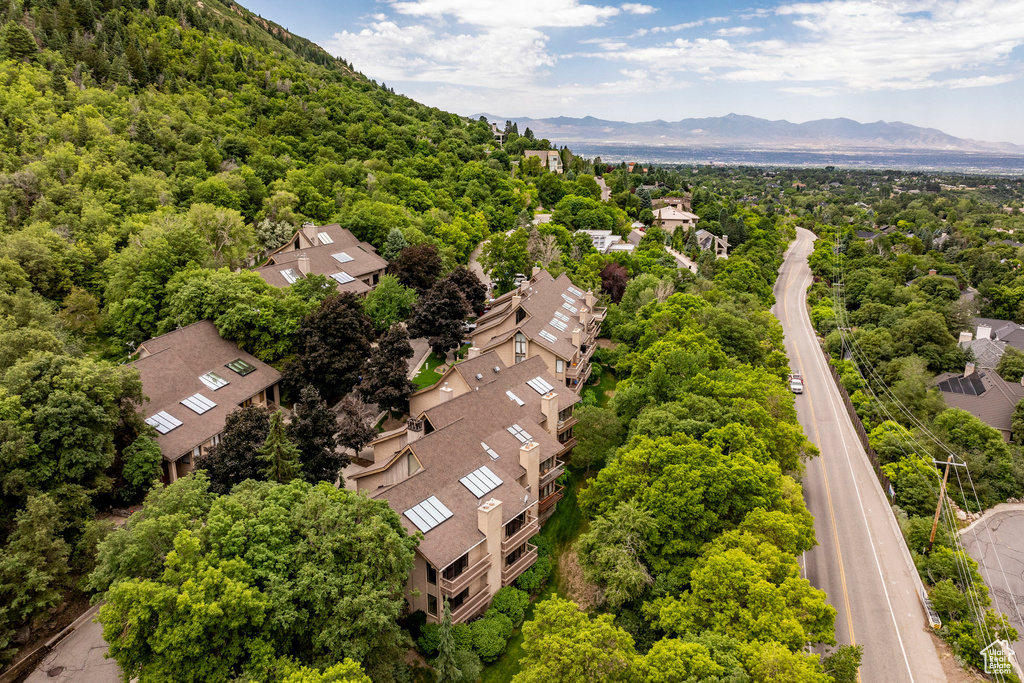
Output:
(938, 508)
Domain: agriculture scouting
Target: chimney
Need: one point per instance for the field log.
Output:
(473, 352)
(969, 370)
(488, 521)
(549, 408)
(577, 334)
(304, 265)
(965, 337)
(446, 393)
(517, 298)
(529, 458)
(590, 299)
(583, 317)
(309, 232)
(535, 272)
(984, 332)
(933, 272)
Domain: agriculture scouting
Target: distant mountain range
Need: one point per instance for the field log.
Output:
(749, 131)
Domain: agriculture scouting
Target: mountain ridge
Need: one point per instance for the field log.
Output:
(742, 129)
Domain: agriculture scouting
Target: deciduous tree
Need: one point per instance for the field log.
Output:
(389, 302)
(417, 267)
(440, 316)
(386, 372)
(314, 428)
(235, 459)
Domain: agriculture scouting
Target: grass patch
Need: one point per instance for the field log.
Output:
(426, 377)
(561, 530)
(603, 390)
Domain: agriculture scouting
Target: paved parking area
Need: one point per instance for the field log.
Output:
(996, 541)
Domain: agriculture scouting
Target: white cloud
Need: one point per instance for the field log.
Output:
(738, 31)
(859, 45)
(637, 8)
(511, 13)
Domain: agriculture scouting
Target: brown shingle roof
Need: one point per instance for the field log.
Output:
(454, 449)
(993, 405)
(170, 371)
(322, 262)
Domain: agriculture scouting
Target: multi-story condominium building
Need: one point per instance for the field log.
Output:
(193, 379)
(325, 250)
(546, 317)
(476, 473)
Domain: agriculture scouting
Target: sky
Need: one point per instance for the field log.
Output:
(955, 65)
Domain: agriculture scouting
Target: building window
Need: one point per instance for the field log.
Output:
(515, 525)
(565, 413)
(431, 575)
(520, 347)
(432, 605)
(559, 366)
(547, 490)
(456, 568)
(514, 556)
(456, 602)
(547, 464)
(520, 316)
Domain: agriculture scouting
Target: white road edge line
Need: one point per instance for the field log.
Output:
(849, 462)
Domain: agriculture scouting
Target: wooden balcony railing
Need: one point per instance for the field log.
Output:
(472, 606)
(510, 572)
(452, 587)
(565, 424)
(518, 538)
(566, 447)
(550, 500)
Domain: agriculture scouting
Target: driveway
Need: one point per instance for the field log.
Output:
(78, 659)
(996, 541)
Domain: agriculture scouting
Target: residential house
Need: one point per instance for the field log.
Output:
(1005, 331)
(677, 203)
(549, 159)
(476, 473)
(498, 133)
(325, 250)
(193, 379)
(670, 218)
(710, 242)
(606, 241)
(546, 317)
(984, 394)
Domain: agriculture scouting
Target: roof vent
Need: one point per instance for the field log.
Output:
(479, 376)
(497, 369)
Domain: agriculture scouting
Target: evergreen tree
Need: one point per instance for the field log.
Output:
(444, 665)
(16, 42)
(691, 240)
(386, 372)
(395, 244)
(280, 456)
(313, 429)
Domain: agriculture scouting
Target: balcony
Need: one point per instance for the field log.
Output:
(471, 607)
(552, 474)
(551, 499)
(518, 538)
(510, 572)
(565, 424)
(456, 585)
(566, 447)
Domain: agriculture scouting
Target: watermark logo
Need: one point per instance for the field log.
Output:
(997, 661)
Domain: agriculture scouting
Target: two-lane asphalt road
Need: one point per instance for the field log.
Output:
(859, 560)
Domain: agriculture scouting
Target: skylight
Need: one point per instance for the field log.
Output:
(290, 275)
(540, 385)
(568, 299)
(343, 277)
(198, 403)
(428, 514)
(519, 433)
(163, 422)
(573, 290)
(513, 397)
(325, 238)
(547, 335)
(489, 451)
(571, 309)
(342, 257)
(482, 481)
(558, 324)
(213, 380)
(561, 316)
(241, 367)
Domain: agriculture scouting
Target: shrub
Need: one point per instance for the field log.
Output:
(429, 640)
(534, 578)
(491, 634)
(462, 634)
(511, 602)
(469, 664)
